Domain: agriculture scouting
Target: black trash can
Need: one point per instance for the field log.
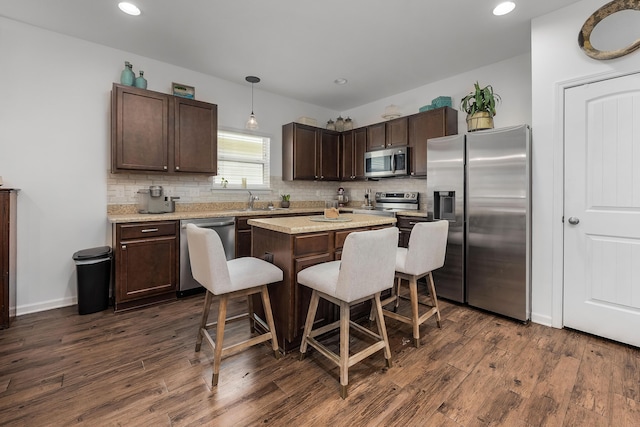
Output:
(94, 276)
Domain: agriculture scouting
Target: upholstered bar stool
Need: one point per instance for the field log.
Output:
(425, 253)
(366, 269)
(240, 277)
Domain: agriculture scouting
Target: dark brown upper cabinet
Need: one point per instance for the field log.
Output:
(376, 136)
(354, 145)
(429, 124)
(397, 132)
(156, 132)
(310, 153)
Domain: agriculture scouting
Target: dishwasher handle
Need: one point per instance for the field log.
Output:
(212, 224)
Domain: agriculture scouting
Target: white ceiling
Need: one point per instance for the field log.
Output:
(299, 47)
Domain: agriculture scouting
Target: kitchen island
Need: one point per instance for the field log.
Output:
(293, 244)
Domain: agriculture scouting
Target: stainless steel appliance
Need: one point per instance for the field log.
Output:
(385, 163)
(226, 229)
(153, 201)
(388, 204)
(446, 199)
(495, 225)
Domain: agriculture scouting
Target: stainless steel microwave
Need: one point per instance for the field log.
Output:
(384, 163)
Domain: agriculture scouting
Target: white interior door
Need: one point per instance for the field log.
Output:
(602, 209)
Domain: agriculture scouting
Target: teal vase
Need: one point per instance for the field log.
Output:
(141, 82)
(127, 77)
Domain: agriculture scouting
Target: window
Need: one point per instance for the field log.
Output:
(243, 160)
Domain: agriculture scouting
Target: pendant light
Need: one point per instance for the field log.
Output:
(252, 123)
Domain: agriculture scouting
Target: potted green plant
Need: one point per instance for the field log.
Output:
(285, 200)
(480, 106)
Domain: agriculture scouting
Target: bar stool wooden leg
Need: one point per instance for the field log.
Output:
(434, 299)
(266, 303)
(311, 315)
(415, 317)
(344, 348)
(382, 328)
(217, 351)
(252, 319)
(397, 290)
(203, 320)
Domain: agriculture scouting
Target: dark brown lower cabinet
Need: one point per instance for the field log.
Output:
(8, 202)
(146, 263)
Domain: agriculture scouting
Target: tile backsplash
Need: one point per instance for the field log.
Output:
(122, 189)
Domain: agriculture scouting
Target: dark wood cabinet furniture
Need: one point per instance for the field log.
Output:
(292, 253)
(146, 263)
(389, 134)
(397, 132)
(354, 145)
(310, 153)
(429, 124)
(376, 136)
(8, 207)
(156, 132)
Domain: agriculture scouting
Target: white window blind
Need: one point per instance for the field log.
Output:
(243, 156)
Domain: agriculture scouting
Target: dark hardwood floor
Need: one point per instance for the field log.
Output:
(139, 368)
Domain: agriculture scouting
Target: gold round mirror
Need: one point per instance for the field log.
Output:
(608, 11)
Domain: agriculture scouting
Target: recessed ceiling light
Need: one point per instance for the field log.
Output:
(340, 81)
(129, 8)
(504, 8)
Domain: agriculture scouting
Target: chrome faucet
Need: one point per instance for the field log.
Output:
(252, 199)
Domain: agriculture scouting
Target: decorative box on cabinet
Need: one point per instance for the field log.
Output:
(146, 263)
(8, 202)
(310, 153)
(156, 132)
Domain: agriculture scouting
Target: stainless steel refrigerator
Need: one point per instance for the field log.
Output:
(496, 224)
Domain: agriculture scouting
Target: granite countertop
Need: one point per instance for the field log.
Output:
(138, 217)
(124, 217)
(304, 224)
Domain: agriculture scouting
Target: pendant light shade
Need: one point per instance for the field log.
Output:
(252, 123)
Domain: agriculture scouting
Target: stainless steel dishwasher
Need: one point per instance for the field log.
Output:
(226, 229)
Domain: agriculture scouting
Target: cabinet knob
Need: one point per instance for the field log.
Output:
(316, 176)
(165, 167)
(321, 176)
(124, 247)
(177, 168)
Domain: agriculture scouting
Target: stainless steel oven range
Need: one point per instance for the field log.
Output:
(226, 229)
(389, 203)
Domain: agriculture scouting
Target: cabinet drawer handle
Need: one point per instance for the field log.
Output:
(149, 230)
(124, 247)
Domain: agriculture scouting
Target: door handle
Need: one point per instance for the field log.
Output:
(574, 220)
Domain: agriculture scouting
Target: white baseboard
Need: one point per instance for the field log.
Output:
(47, 305)
(541, 319)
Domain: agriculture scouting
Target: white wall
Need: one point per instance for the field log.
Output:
(511, 79)
(54, 144)
(557, 61)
